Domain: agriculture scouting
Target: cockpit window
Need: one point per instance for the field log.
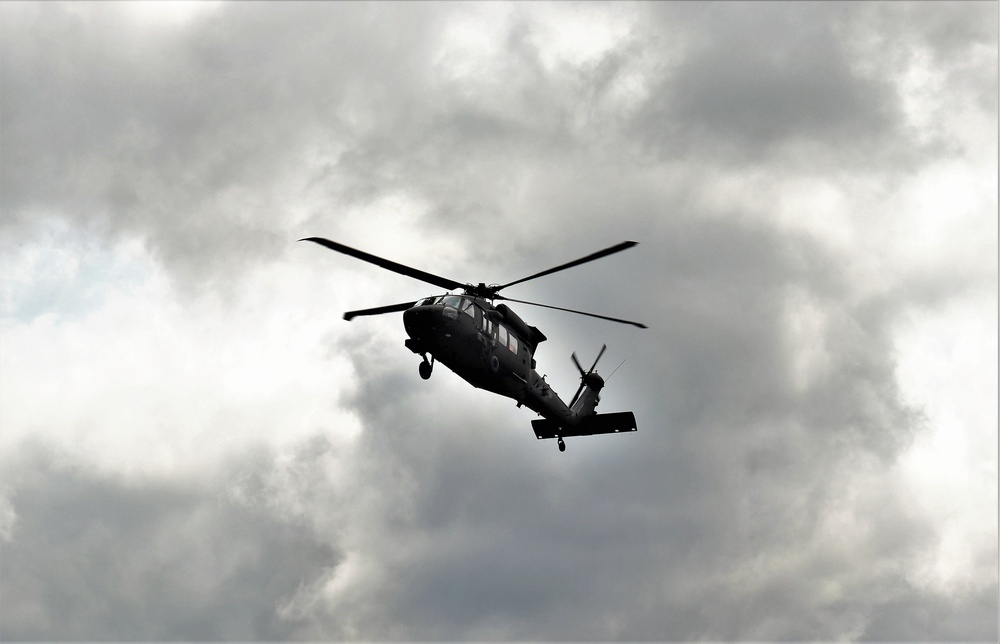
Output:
(468, 308)
(426, 301)
(452, 300)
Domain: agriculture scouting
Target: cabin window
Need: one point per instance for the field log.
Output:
(502, 334)
(512, 344)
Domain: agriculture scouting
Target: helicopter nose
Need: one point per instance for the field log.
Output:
(418, 321)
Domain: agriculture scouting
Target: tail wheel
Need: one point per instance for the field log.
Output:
(561, 444)
(425, 369)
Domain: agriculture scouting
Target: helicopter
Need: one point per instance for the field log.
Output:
(489, 346)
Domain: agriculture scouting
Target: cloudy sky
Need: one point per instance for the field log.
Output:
(195, 445)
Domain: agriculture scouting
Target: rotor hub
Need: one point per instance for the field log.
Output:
(482, 290)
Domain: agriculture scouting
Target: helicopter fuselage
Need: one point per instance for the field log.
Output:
(489, 347)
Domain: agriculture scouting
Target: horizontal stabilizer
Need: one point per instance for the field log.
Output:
(618, 422)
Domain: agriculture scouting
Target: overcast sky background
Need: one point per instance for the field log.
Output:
(196, 446)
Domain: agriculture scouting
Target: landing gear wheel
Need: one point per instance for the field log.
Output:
(425, 369)
(562, 445)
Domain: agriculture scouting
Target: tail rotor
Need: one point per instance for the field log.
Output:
(586, 377)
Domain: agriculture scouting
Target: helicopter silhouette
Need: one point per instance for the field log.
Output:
(492, 348)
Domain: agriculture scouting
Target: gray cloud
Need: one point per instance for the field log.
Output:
(92, 556)
(758, 499)
(685, 530)
(168, 135)
(764, 77)
(171, 137)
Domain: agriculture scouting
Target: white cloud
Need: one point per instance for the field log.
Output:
(146, 379)
(948, 366)
(580, 36)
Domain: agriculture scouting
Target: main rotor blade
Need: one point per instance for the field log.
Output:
(583, 260)
(379, 310)
(395, 267)
(559, 308)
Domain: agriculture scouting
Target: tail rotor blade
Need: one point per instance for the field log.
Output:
(584, 374)
(600, 353)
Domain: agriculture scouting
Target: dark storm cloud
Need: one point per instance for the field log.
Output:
(169, 135)
(91, 556)
(763, 78)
